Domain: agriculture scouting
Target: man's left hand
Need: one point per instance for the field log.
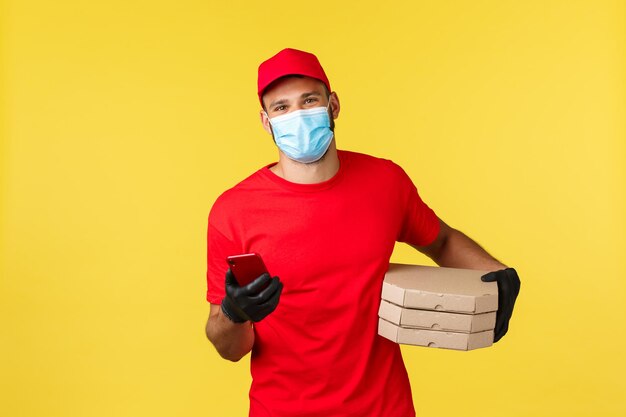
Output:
(508, 289)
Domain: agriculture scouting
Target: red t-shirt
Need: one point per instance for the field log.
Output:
(319, 353)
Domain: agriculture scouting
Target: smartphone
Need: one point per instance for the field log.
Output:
(247, 267)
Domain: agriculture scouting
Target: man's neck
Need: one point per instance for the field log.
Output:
(313, 173)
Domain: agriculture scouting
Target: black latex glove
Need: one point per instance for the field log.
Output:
(253, 301)
(508, 288)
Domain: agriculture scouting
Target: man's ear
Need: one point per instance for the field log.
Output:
(334, 104)
(265, 121)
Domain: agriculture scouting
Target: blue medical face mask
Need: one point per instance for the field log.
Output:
(303, 135)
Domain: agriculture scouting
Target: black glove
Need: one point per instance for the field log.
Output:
(253, 301)
(508, 288)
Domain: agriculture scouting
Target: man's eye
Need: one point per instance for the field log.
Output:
(279, 108)
(310, 100)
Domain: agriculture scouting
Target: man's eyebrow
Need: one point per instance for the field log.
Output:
(277, 102)
(312, 93)
(302, 96)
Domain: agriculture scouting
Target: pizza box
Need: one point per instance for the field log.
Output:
(436, 320)
(439, 289)
(434, 338)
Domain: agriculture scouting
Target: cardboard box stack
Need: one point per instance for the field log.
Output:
(438, 307)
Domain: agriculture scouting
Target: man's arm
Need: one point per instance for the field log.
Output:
(453, 249)
(232, 340)
(229, 327)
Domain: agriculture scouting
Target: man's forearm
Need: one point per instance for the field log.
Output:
(233, 341)
(459, 251)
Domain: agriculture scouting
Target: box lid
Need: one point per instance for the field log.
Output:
(436, 320)
(440, 289)
(433, 338)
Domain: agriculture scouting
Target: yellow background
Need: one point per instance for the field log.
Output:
(122, 121)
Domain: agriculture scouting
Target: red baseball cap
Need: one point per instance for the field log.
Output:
(289, 62)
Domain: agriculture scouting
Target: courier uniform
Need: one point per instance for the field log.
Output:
(318, 353)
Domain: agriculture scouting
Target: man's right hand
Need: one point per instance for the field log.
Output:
(252, 302)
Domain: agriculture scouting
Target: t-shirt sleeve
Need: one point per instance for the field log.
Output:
(218, 248)
(420, 225)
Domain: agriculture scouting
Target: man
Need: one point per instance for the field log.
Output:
(325, 223)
